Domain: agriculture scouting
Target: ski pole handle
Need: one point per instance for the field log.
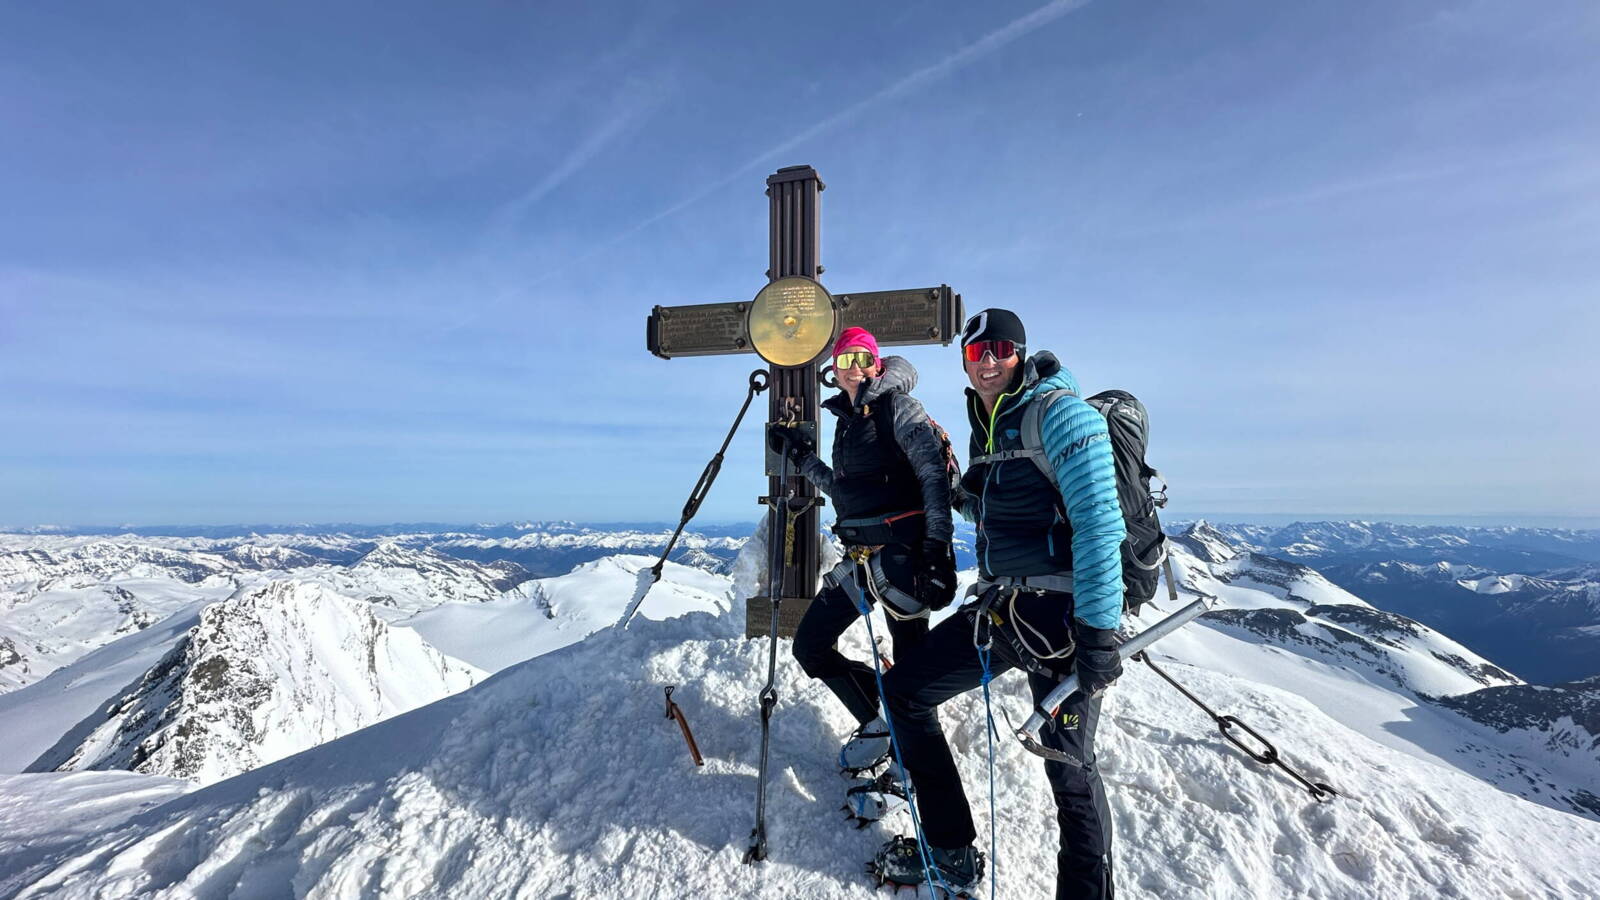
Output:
(1029, 732)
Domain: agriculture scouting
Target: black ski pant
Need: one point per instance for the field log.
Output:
(947, 665)
(816, 649)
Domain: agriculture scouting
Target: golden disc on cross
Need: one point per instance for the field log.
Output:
(792, 321)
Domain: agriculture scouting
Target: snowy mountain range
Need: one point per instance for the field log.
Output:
(559, 776)
(1507, 548)
(1527, 598)
(62, 596)
(267, 710)
(251, 665)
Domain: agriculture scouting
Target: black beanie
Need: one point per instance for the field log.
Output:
(996, 325)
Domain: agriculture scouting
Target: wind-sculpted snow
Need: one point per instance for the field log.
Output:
(549, 613)
(559, 777)
(1414, 658)
(48, 628)
(264, 674)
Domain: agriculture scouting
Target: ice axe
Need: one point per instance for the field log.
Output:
(1028, 734)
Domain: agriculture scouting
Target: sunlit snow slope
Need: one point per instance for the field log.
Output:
(559, 777)
(269, 672)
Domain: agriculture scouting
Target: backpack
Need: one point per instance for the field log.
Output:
(1128, 423)
(952, 465)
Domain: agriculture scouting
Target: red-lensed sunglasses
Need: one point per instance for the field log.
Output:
(998, 349)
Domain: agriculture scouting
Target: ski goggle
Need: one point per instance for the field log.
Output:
(850, 358)
(998, 349)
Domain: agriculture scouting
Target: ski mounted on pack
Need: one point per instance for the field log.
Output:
(758, 382)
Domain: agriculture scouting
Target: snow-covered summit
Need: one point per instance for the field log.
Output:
(268, 672)
(1205, 542)
(560, 777)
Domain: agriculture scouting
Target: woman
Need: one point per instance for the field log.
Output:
(890, 487)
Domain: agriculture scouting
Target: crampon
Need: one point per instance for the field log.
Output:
(957, 873)
(875, 799)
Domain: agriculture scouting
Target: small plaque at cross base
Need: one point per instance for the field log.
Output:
(758, 616)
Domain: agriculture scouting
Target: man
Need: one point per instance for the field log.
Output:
(1049, 600)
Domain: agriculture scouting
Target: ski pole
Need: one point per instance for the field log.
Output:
(1028, 734)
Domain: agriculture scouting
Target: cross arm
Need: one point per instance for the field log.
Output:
(896, 318)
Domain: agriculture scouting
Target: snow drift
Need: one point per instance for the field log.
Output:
(559, 777)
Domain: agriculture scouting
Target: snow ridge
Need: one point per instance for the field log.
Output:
(267, 673)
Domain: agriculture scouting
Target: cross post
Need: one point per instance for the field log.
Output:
(896, 318)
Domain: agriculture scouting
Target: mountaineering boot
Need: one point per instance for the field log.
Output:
(874, 798)
(956, 873)
(867, 748)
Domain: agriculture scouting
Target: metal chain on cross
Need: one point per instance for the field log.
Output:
(757, 383)
(1226, 724)
(796, 506)
(789, 507)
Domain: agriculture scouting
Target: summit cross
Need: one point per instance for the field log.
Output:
(931, 315)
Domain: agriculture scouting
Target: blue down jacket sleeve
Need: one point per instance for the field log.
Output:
(1078, 446)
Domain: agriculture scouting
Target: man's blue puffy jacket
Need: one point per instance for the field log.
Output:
(1027, 528)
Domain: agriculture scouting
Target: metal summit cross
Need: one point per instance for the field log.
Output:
(791, 324)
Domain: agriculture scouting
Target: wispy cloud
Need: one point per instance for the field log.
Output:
(906, 85)
(621, 120)
(1399, 178)
(634, 103)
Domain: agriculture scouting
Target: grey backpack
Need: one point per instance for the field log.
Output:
(1128, 423)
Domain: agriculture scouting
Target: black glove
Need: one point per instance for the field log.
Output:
(792, 441)
(1096, 662)
(937, 576)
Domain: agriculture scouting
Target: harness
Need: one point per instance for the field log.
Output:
(997, 606)
(876, 583)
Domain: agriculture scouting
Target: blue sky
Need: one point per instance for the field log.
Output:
(391, 262)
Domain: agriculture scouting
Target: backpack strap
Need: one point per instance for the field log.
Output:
(1032, 442)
